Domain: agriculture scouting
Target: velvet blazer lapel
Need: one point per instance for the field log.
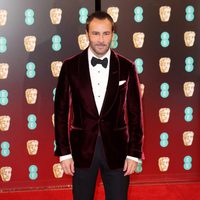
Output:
(86, 86)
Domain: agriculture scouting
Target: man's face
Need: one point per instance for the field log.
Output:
(100, 36)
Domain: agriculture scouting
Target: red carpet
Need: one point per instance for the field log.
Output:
(187, 191)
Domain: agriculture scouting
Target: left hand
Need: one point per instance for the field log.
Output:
(129, 166)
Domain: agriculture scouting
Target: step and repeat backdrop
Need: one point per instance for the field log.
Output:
(162, 37)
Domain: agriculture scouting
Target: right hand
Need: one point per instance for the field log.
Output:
(68, 166)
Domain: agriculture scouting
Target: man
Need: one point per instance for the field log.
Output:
(98, 115)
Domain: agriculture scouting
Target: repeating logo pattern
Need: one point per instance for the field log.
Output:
(139, 39)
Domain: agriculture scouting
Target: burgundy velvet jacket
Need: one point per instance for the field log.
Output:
(77, 122)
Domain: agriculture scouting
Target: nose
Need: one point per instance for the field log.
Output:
(101, 38)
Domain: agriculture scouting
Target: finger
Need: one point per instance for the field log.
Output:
(125, 165)
(130, 168)
(72, 168)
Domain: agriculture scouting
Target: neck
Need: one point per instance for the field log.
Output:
(98, 55)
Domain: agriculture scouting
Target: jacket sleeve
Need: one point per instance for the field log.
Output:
(61, 111)
(135, 115)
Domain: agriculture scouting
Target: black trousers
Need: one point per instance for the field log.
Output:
(114, 181)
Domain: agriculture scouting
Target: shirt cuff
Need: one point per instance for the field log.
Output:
(69, 156)
(134, 158)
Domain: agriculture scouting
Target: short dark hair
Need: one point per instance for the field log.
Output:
(101, 15)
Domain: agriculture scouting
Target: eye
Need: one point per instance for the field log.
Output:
(107, 33)
(95, 33)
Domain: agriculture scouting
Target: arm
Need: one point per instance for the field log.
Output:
(61, 110)
(135, 123)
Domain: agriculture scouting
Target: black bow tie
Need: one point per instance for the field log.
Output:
(96, 61)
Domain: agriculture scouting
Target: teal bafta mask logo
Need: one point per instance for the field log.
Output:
(56, 43)
(139, 65)
(5, 149)
(189, 64)
(138, 14)
(187, 162)
(83, 15)
(3, 44)
(3, 97)
(139, 167)
(114, 43)
(164, 39)
(164, 139)
(29, 16)
(33, 172)
(188, 114)
(30, 70)
(32, 122)
(189, 13)
(164, 87)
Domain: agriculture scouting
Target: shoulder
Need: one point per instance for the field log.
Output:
(123, 60)
(73, 59)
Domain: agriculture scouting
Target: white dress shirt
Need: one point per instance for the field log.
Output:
(99, 80)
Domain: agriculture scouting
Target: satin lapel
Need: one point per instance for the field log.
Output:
(112, 87)
(85, 83)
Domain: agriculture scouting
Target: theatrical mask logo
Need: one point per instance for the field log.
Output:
(163, 163)
(189, 38)
(4, 70)
(164, 114)
(142, 86)
(188, 88)
(83, 41)
(165, 12)
(4, 122)
(57, 170)
(6, 173)
(164, 64)
(30, 43)
(56, 15)
(53, 119)
(3, 17)
(114, 13)
(31, 95)
(188, 138)
(138, 39)
(55, 68)
(32, 147)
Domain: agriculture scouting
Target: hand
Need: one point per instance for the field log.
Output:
(129, 166)
(68, 166)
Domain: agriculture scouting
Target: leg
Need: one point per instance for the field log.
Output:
(84, 183)
(115, 184)
(84, 180)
